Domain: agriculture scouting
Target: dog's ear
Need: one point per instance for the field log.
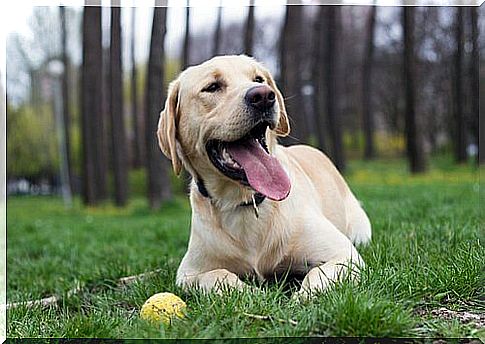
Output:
(283, 127)
(167, 127)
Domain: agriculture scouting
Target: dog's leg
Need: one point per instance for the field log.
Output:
(215, 280)
(359, 224)
(338, 255)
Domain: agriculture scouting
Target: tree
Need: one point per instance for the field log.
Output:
(218, 32)
(159, 188)
(291, 69)
(474, 85)
(414, 146)
(331, 29)
(367, 115)
(249, 30)
(94, 178)
(137, 121)
(318, 78)
(459, 128)
(186, 49)
(120, 164)
(65, 93)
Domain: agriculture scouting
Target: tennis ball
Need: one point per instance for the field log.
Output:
(163, 307)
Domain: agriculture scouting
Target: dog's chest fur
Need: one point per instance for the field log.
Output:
(254, 245)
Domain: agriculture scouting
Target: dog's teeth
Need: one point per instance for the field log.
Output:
(228, 158)
(226, 155)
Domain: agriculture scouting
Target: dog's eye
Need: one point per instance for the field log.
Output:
(214, 87)
(259, 79)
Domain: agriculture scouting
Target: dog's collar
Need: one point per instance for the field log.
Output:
(258, 198)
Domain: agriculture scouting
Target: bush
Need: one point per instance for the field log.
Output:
(31, 142)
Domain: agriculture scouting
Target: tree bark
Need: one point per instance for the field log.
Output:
(65, 94)
(474, 86)
(138, 160)
(159, 188)
(249, 30)
(414, 144)
(103, 136)
(119, 156)
(291, 70)
(458, 114)
(334, 122)
(91, 107)
(367, 114)
(318, 79)
(217, 33)
(186, 49)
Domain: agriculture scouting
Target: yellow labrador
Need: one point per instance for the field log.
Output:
(258, 208)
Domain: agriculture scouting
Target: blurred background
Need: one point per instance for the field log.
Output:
(85, 86)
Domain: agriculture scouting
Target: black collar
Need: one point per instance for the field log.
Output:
(258, 198)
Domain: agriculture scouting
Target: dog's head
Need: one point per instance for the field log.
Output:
(220, 122)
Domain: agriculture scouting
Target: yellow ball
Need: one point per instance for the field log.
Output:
(163, 307)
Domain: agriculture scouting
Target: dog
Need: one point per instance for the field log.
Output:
(258, 208)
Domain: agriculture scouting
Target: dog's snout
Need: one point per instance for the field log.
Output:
(261, 98)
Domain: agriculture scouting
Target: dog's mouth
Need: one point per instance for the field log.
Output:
(249, 162)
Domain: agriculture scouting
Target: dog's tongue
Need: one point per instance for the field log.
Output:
(265, 174)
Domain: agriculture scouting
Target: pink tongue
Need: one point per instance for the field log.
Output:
(264, 172)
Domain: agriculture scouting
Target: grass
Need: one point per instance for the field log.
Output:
(426, 254)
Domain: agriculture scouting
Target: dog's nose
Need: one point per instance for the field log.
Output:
(261, 98)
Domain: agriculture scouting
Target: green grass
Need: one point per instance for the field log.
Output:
(425, 254)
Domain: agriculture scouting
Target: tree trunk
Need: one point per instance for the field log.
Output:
(334, 122)
(474, 85)
(414, 144)
(318, 79)
(138, 160)
(120, 163)
(249, 30)
(291, 70)
(65, 95)
(159, 188)
(367, 114)
(104, 143)
(218, 32)
(459, 126)
(186, 49)
(91, 107)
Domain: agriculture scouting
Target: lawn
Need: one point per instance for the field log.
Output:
(424, 273)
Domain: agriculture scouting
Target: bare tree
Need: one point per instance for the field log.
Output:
(291, 71)
(91, 107)
(367, 111)
(249, 30)
(318, 78)
(459, 128)
(474, 85)
(331, 29)
(65, 94)
(137, 121)
(159, 188)
(186, 48)
(120, 163)
(217, 32)
(414, 143)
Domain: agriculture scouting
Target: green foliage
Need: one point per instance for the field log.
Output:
(387, 145)
(32, 146)
(425, 254)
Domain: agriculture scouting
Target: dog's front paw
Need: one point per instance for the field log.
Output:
(316, 281)
(219, 280)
